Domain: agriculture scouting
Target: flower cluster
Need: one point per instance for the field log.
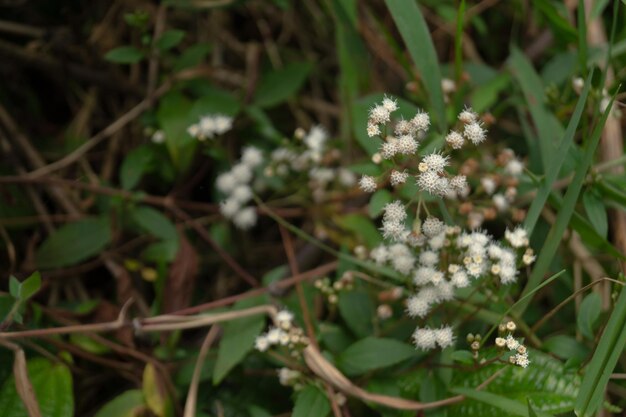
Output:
(283, 333)
(235, 184)
(426, 338)
(331, 290)
(209, 126)
(520, 353)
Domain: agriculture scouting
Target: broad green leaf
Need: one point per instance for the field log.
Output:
(52, 384)
(596, 212)
(378, 201)
(416, 35)
(174, 118)
(238, 339)
(128, 404)
(311, 402)
(154, 395)
(546, 383)
(565, 347)
(154, 222)
(74, 243)
(124, 55)
(362, 228)
(278, 85)
(192, 56)
(357, 309)
(334, 338)
(165, 250)
(30, 286)
(599, 370)
(215, 100)
(463, 356)
(511, 407)
(588, 314)
(136, 163)
(374, 353)
(169, 39)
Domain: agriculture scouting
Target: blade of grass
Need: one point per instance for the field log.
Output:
(547, 126)
(556, 161)
(505, 404)
(567, 209)
(458, 43)
(610, 347)
(416, 36)
(582, 38)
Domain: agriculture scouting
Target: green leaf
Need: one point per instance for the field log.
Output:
(238, 339)
(165, 250)
(169, 39)
(511, 407)
(192, 56)
(596, 212)
(127, 404)
(74, 243)
(52, 384)
(279, 85)
(311, 402)
(546, 124)
(378, 201)
(215, 100)
(174, 117)
(588, 314)
(374, 353)
(531, 411)
(14, 287)
(362, 228)
(154, 222)
(599, 370)
(416, 35)
(463, 356)
(546, 383)
(566, 347)
(136, 163)
(30, 286)
(357, 309)
(124, 55)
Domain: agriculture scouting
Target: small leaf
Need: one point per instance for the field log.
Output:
(311, 402)
(357, 309)
(52, 385)
(238, 339)
(169, 39)
(30, 286)
(154, 222)
(127, 404)
(588, 314)
(596, 212)
(373, 353)
(378, 201)
(463, 356)
(73, 243)
(153, 393)
(124, 55)
(14, 287)
(135, 165)
(279, 85)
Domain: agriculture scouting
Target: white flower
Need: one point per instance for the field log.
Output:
(423, 275)
(444, 336)
(447, 85)
(468, 116)
(222, 123)
(406, 145)
(388, 149)
(274, 335)
(193, 130)
(226, 182)
(475, 133)
(394, 212)
(514, 167)
(379, 114)
(445, 291)
(459, 279)
(508, 273)
(392, 230)
(242, 194)
(437, 242)
(261, 343)
(517, 238)
(367, 184)
(404, 127)
(390, 104)
(373, 130)
(158, 137)
(316, 139)
(398, 178)
(417, 306)
(488, 184)
(284, 318)
(242, 173)
(252, 157)
(421, 121)
(522, 360)
(429, 181)
(379, 254)
(512, 343)
(287, 376)
(403, 264)
(459, 182)
(229, 208)
(424, 338)
(500, 202)
(347, 178)
(436, 162)
(429, 258)
(455, 140)
(432, 226)
(245, 218)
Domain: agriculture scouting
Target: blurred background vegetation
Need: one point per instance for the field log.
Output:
(107, 211)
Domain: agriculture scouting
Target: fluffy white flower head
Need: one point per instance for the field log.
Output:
(367, 184)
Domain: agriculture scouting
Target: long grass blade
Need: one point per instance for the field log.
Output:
(509, 406)
(567, 209)
(412, 26)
